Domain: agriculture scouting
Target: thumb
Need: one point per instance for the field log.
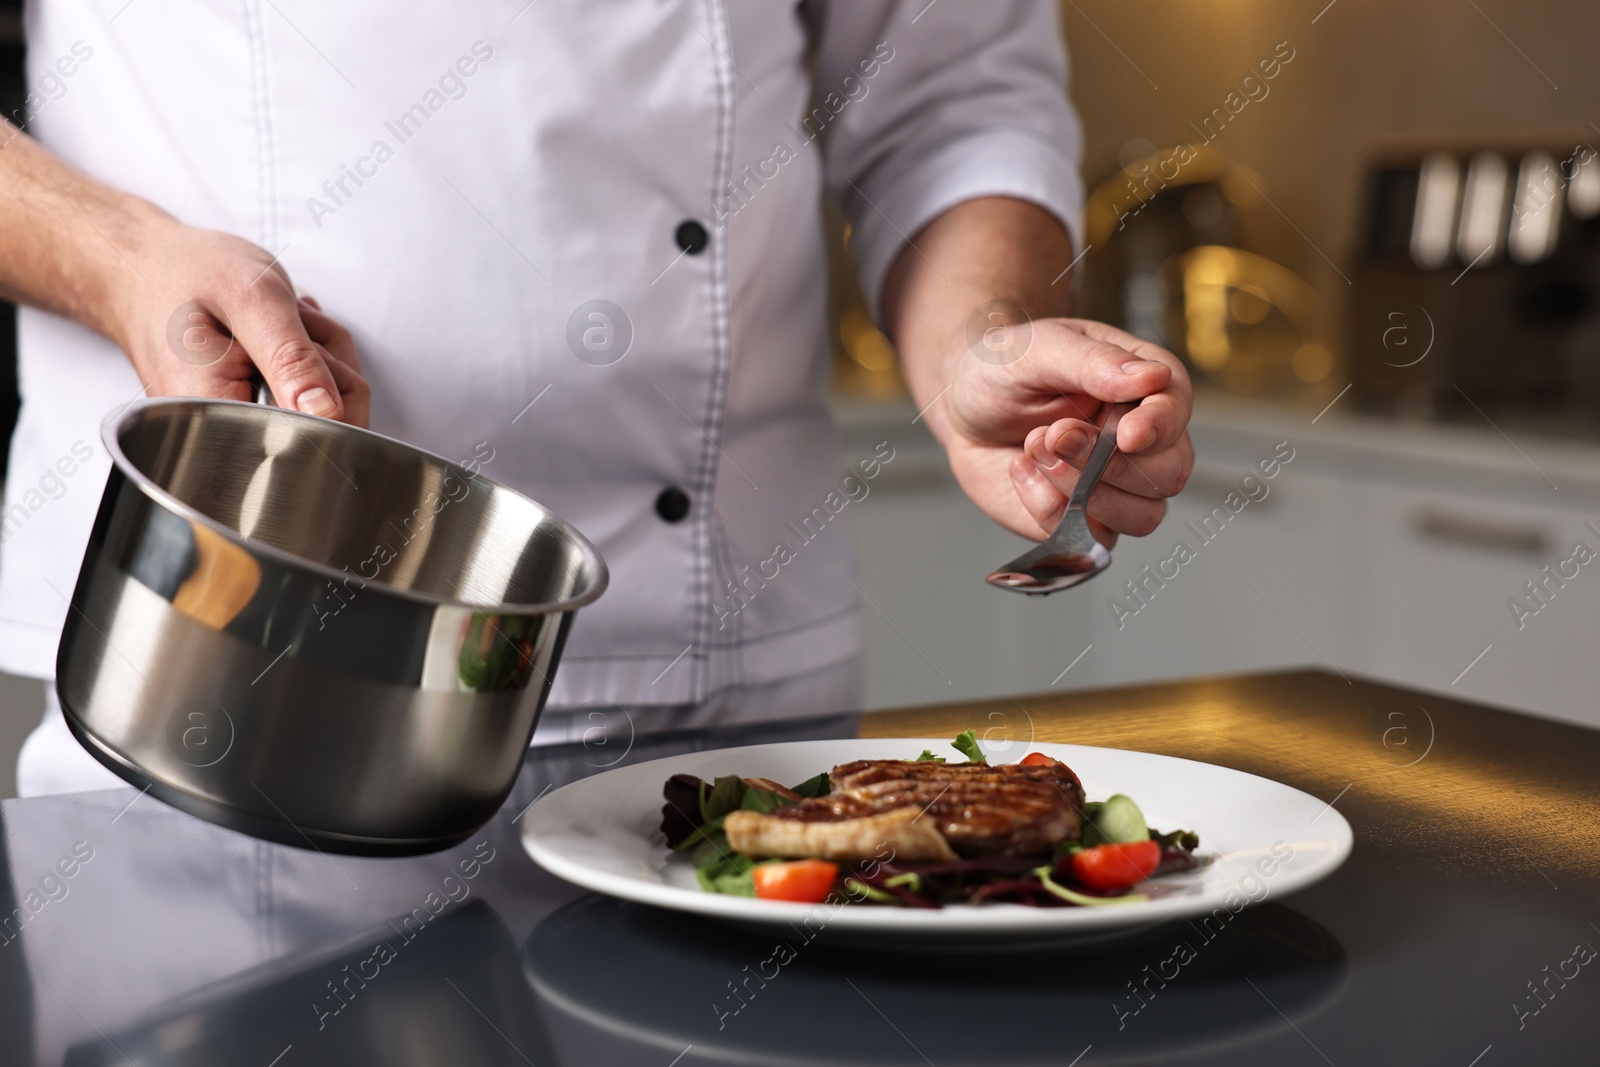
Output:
(1071, 360)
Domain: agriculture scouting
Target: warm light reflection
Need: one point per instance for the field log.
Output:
(1467, 797)
(1245, 317)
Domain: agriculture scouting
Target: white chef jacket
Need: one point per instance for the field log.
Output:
(458, 183)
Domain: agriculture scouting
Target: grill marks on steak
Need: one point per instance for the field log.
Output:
(865, 773)
(980, 810)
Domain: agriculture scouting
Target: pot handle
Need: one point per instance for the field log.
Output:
(261, 393)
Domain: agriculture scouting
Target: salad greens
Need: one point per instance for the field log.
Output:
(966, 743)
(692, 820)
(725, 794)
(718, 868)
(721, 870)
(1056, 889)
(820, 786)
(1185, 840)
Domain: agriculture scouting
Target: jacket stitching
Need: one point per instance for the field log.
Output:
(266, 232)
(720, 313)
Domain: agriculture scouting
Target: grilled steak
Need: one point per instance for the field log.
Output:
(939, 811)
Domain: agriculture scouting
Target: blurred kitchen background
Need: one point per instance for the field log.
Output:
(1372, 228)
(1315, 252)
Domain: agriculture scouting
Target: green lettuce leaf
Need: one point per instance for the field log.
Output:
(966, 743)
(820, 786)
(718, 869)
(763, 800)
(700, 835)
(727, 793)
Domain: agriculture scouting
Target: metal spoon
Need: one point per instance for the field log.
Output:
(1071, 554)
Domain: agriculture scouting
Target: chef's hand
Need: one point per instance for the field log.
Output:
(1017, 433)
(214, 308)
(1013, 398)
(195, 311)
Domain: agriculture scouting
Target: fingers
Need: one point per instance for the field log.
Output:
(266, 319)
(1083, 358)
(1161, 417)
(353, 391)
(1044, 502)
(1158, 423)
(1102, 533)
(1155, 475)
(1043, 401)
(343, 361)
(329, 333)
(1044, 494)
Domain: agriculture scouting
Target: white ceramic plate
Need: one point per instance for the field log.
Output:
(1260, 840)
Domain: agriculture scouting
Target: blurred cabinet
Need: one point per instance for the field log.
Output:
(1442, 572)
(1263, 589)
(1360, 556)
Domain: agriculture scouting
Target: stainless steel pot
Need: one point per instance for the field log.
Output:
(313, 633)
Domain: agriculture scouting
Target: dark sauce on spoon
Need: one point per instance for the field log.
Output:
(1047, 571)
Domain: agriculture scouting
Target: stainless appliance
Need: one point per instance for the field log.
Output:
(1165, 259)
(313, 633)
(1476, 287)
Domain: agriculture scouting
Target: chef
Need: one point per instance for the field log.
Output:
(578, 245)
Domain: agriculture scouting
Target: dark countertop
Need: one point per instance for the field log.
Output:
(1475, 881)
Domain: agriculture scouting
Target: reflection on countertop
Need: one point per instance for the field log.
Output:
(744, 998)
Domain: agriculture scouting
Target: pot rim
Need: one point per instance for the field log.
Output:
(109, 435)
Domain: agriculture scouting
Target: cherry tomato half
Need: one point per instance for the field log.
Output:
(1038, 759)
(1116, 866)
(802, 881)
